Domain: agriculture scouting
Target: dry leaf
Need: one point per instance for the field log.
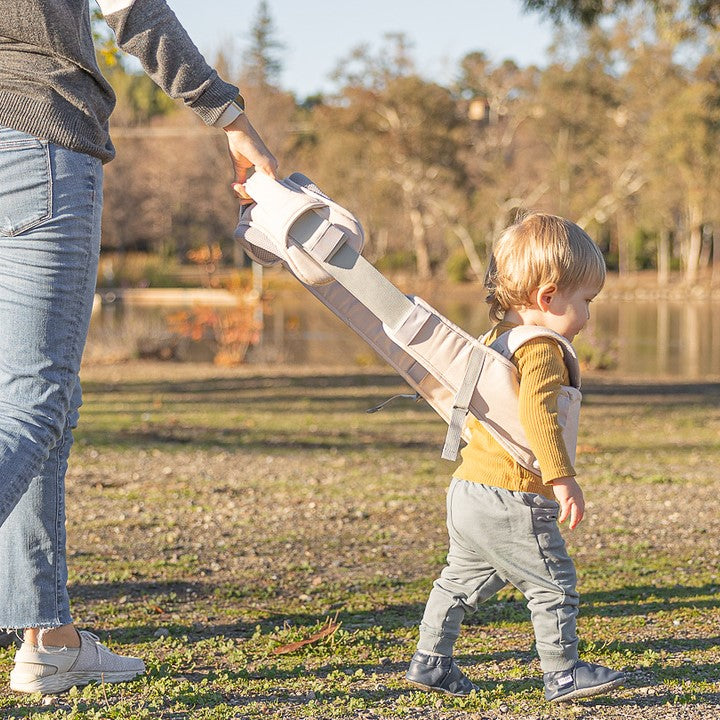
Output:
(327, 630)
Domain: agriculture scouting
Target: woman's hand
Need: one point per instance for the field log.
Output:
(247, 150)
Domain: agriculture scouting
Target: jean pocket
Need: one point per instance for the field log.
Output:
(25, 183)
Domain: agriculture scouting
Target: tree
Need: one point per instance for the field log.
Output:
(671, 130)
(271, 108)
(262, 66)
(152, 199)
(500, 106)
(392, 139)
(363, 69)
(688, 144)
(635, 128)
(702, 12)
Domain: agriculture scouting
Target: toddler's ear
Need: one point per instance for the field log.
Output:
(545, 294)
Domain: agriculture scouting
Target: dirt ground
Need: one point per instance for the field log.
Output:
(247, 505)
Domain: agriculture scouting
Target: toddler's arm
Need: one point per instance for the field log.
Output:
(570, 496)
(542, 370)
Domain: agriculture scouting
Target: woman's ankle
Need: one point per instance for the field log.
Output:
(63, 636)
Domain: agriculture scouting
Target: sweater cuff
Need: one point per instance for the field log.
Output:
(214, 101)
(552, 474)
(231, 113)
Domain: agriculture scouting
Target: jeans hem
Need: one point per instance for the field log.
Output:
(36, 626)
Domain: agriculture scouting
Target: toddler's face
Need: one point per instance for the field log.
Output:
(569, 310)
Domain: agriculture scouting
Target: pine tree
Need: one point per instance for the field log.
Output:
(262, 65)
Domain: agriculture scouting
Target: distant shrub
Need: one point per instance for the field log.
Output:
(593, 353)
(457, 267)
(396, 261)
(138, 269)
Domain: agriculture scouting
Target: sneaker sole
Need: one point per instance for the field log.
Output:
(431, 688)
(589, 692)
(59, 683)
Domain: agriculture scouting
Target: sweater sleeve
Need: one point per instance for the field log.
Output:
(542, 372)
(150, 30)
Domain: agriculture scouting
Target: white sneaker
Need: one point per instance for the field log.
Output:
(53, 670)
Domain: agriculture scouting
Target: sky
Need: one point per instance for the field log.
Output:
(316, 34)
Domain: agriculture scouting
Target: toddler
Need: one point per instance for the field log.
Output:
(502, 518)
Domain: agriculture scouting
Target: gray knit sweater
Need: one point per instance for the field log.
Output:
(50, 83)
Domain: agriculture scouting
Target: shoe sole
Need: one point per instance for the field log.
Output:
(431, 688)
(589, 692)
(59, 683)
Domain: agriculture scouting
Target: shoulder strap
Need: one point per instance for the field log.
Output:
(509, 342)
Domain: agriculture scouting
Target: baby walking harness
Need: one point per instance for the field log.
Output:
(294, 223)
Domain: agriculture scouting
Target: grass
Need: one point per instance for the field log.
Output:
(216, 515)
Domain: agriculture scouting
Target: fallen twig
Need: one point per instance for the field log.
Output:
(328, 629)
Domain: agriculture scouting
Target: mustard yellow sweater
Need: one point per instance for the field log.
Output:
(542, 371)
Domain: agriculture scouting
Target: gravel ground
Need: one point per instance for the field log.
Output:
(222, 499)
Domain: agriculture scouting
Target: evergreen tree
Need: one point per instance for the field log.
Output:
(262, 65)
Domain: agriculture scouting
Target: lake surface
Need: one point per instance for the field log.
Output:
(639, 338)
(677, 339)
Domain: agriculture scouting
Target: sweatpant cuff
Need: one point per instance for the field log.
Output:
(558, 663)
(439, 644)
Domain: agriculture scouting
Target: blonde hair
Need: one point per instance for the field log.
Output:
(537, 250)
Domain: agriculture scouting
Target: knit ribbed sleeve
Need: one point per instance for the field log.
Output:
(542, 373)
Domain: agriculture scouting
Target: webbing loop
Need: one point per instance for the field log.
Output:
(461, 406)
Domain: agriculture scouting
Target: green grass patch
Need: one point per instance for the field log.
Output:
(215, 516)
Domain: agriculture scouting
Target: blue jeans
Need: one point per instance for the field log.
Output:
(50, 208)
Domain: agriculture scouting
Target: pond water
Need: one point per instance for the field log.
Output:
(679, 339)
(639, 338)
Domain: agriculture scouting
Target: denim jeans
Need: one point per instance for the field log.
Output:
(50, 208)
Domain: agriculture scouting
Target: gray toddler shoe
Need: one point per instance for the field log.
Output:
(583, 680)
(438, 672)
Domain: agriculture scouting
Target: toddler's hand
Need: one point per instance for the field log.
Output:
(570, 496)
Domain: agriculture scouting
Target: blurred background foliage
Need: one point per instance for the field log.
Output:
(619, 132)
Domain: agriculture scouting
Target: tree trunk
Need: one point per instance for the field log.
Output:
(662, 341)
(693, 253)
(626, 261)
(466, 241)
(706, 248)
(694, 241)
(663, 257)
(422, 254)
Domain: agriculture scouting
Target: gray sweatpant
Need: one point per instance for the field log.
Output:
(497, 537)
